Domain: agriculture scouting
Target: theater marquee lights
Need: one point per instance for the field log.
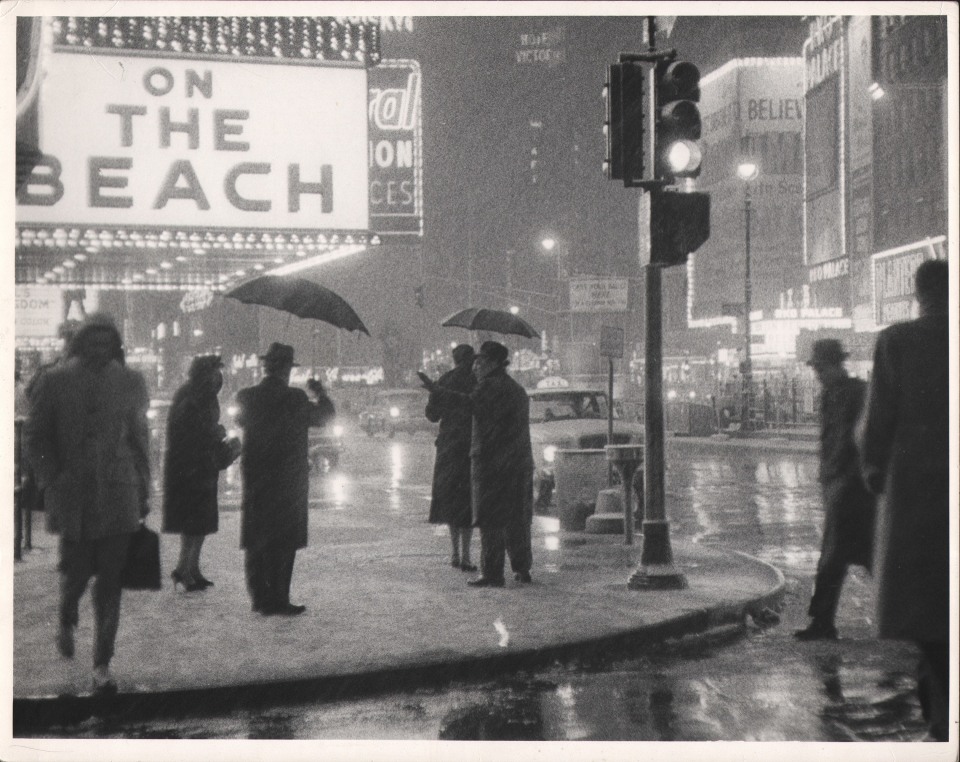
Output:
(195, 151)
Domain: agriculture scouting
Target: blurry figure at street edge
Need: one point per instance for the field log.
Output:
(197, 451)
(276, 477)
(848, 506)
(501, 465)
(88, 442)
(905, 456)
(450, 501)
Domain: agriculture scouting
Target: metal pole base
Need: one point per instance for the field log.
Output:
(656, 570)
(657, 577)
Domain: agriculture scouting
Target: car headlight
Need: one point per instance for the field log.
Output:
(338, 431)
(549, 453)
(394, 412)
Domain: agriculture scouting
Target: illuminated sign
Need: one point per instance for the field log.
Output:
(395, 148)
(823, 49)
(38, 310)
(545, 48)
(893, 273)
(835, 268)
(133, 140)
(196, 299)
(598, 294)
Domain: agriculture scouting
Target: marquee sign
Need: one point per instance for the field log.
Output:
(142, 141)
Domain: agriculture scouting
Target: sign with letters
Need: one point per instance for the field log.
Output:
(133, 140)
(598, 294)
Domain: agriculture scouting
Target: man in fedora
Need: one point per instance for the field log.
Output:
(848, 506)
(276, 477)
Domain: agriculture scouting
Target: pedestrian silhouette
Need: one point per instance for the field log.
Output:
(450, 500)
(905, 455)
(848, 506)
(88, 442)
(197, 450)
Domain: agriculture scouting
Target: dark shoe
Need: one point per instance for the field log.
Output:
(484, 582)
(103, 683)
(203, 580)
(523, 577)
(455, 563)
(288, 609)
(817, 631)
(468, 567)
(65, 641)
(189, 583)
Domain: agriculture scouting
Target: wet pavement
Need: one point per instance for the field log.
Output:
(762, 501)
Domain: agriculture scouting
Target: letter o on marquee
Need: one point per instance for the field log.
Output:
(149, 85)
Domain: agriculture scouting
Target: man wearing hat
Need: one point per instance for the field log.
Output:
(276, 477)
(848, 506)
(501, 465)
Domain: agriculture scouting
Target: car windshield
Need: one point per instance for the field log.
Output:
(566, 406)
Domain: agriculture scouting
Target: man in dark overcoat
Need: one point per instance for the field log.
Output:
(848, 506)
(450, 501)
(905, 454)
(275, 466)
(501, 466)
(88, 442)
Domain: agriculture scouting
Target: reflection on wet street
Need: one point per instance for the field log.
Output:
(758, 685)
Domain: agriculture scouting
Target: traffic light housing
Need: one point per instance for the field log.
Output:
(624, 126)
(679, 224)
(678, 124)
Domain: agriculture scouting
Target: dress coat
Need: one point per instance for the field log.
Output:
(450, 501)
(89, 445)
(196, 453)
(501, 457)
(905, 456)
(276, 419)
(848, 506)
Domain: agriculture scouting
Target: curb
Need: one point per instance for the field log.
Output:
(30, 714)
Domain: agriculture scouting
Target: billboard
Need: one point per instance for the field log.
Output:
(598, 294)
(894, 299)
(175, 142)
(395, 147)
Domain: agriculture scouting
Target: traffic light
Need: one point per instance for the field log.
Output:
(678, 123)
(613, 123)
(418, 296)
(679, 224)
(624, 127)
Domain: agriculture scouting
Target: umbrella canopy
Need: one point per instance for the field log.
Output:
(495, 321)
(300, 297)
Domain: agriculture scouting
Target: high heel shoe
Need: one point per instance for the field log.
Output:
(203, 580)
(189, 585)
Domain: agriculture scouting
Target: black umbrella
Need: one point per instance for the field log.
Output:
(495, 321)
(300, 297)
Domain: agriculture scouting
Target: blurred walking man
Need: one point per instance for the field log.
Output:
(905, 456)
(88, 441)
(848, 507)
(275, 465)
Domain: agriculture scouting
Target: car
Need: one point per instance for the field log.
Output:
(397, 410)
(570, 418)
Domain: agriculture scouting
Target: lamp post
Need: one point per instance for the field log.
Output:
(747, 171)
(548, 244)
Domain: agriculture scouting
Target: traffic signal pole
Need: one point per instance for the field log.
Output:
(656, 570)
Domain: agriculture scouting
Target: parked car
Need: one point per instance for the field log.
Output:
(394, 410)
(570, 419)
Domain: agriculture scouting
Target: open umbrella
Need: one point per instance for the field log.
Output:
(300, 297)
(495, 321)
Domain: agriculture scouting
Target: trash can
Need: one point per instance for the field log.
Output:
(579, 475)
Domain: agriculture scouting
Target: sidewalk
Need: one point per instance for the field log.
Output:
(384, 610)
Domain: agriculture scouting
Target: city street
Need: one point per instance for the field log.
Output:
(729, 496)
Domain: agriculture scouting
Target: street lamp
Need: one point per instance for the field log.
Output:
(747, 171)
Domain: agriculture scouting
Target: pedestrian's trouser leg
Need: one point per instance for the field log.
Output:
(933, 686)
(518, 546)
(492, 550)
(254, 564)
(283, 575)
(826, 591)
(111, 554)
(76, 567)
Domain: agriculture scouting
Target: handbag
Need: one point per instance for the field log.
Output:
(142, 568)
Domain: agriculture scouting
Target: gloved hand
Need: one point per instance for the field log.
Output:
(426, 381)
